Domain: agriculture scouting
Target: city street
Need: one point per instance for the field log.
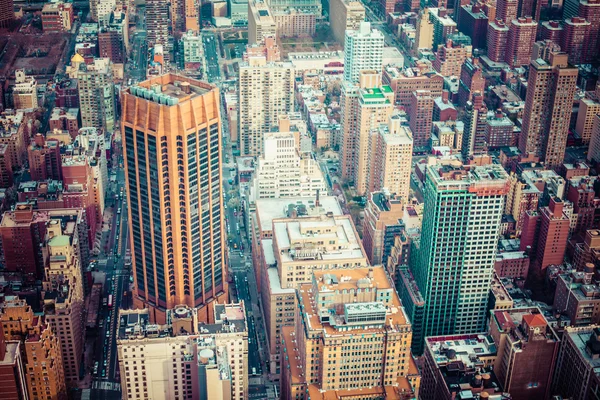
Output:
(211, 54)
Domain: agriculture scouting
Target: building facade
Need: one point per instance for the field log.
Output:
(182, 261)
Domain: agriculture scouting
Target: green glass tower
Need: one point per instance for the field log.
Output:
(453, 262)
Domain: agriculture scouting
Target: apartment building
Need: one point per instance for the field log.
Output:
(282, 171)
(24, 93)
(97, 94)
(185, 359)
(383, 221)
(352, 338)
(363, 50)
(261, 23)
(273, 83)
(345, 15)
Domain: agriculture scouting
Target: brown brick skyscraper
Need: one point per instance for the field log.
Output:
(173, 164)
(551, 87)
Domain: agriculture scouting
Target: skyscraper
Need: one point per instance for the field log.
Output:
(266, 91)
(575, 39)
(157, 25)
(363, 50)
(173, 163)
(453, 262)
(521, 37)
(548, 106)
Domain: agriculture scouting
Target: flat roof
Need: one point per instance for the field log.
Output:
(275, 282)
(270, 209)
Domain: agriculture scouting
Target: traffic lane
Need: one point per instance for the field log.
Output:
(241, 283)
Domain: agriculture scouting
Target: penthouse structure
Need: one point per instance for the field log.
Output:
(204, 361)
(469, 242)
(342, 347)
(182, 260)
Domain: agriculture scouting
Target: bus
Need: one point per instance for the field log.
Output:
(110, 301)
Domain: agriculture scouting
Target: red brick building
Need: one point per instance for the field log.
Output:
(499, 130)
(473, 22)
(65, 119)
(6, 173)
(521, 37)
(590, 10)
(44, 159)
(497, 37)
(443, 109)
(553, 235)
(506, 10)
(471, 81)
(551, 30)
(421, 112)
(585, 202)
(110, 45)
(576, 35)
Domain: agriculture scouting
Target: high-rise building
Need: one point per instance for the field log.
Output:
(383, 221)
(176, 231)
(473, 22)
(390, 165)
(527, 348)
(578, 360)
(345, 15)
(497, 37)
(157, 26)
(590, 10)
(594, 148)
(348, 340)
(273, 84)
(406, 81)
(260, 22)
(453, 261)
(521, 37)
(44, 159)
(475, 118)
(363, 50)
(97, 94)
(471, 80)
(283, 172)
(420, 117)
(25, 91)
(443, 25)
(57, 17)
(424, 32)
(499, 130)
(575, 39)
(64, 296)
(551, 30)
(110, 45)
(506, 10)
(184, 359)
(459, 367)
(548, 106)
(12, 373)
(589, 107)
(364, 107)
(7, 13)
(578, 297)
(449, 58)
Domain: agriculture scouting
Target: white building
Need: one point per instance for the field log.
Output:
(193, 53)
(283, 172)
(104, 8)
(184, 360)
(24, 91)
(363, 50)
(266, 91)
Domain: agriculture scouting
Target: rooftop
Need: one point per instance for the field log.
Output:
(169, 89)
(486, 179)
(585, 339)
(298, 239)
(524, 325)
(269, 209)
